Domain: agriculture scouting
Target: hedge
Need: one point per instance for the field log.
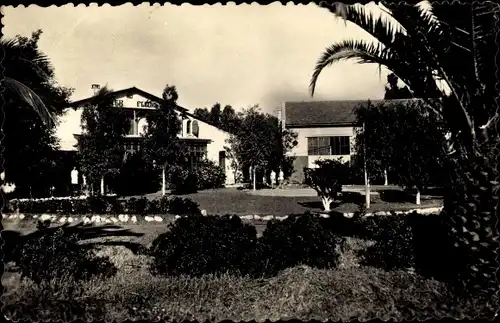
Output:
(104, 205)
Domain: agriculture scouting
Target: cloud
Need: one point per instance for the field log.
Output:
(238, 55)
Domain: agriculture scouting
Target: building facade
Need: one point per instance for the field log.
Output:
(325, 129)
(201, 139)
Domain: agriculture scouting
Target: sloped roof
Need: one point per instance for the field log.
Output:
(326, 113)
(134, 90)
(129, 91)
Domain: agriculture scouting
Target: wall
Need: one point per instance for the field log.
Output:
(69, 124)
(218, 138)
(301, 149)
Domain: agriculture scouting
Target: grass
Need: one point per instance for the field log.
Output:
(238, 202)
(304, 293)
(351, 291)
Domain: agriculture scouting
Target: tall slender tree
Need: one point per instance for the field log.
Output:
(161, 142)
(100, 148)
(415, 43)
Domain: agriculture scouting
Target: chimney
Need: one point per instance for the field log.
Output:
(95, 88)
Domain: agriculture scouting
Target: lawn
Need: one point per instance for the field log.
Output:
(240, 202)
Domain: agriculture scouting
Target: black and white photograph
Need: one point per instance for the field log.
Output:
(320, 161)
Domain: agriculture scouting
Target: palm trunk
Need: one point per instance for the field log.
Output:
(386, 181)
(417, 199)
(470, 214)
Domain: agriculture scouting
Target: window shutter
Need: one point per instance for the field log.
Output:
(195, 128)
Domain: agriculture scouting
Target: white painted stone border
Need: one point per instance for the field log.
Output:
(128, 218)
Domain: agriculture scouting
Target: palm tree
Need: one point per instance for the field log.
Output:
(449, 44)
(13, 61)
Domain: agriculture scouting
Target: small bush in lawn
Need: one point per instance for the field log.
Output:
(299, 239)
(81, 207)
(136, 205)
(65, 207)
(48, 254)
(394, 243)
(183, 206)
(153, 207)
(204, 245)
(97, 204)
(210, 175)
(116, 206)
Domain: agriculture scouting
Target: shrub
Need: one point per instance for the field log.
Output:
(204, 245)
(327, 179)
(182, 180)
(80, 207)
(153, 207)
(210, 175)
(182, 206)
(136, 205)
(299, 239)
(394, 243)
(48, 254)
(137, 176)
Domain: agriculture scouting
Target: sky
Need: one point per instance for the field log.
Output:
(239, 55)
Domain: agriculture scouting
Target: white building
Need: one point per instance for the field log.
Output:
(326, 129)
(203, 139)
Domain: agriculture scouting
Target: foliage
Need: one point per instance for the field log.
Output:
(137, 176)
(32, 103)
(227, 119)
(161, 144)
(260, 142)
(100, 147)
(298, 240)
(105, 205)
(204, 245)
(182, 206)
(416, 161)
(50, 253)
(327, 179)
(182, 179)
(415, 43)
(209, 175)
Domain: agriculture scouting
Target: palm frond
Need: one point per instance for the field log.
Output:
(362, 51)
(32, 99)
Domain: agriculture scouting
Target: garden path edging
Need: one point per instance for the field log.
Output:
(135, 219)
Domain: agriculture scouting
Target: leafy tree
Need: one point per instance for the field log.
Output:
(327, 179)
(229, 120)
(161, 142)
(100, 147)
(215, 114)
(259, 142)
(393, 91)
(416, 43)
(416, 161)
(32, 102)
(203, 114)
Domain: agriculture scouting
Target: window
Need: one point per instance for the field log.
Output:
(338, 145)
(195, 128)
(196, 153)
(188, 127)
(222, 159)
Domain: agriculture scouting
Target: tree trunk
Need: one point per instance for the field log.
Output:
(417, 200)
(470, 209)
(386, 181)
(326, 203)
(102, 185)
(163, 181)
(254, 179)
